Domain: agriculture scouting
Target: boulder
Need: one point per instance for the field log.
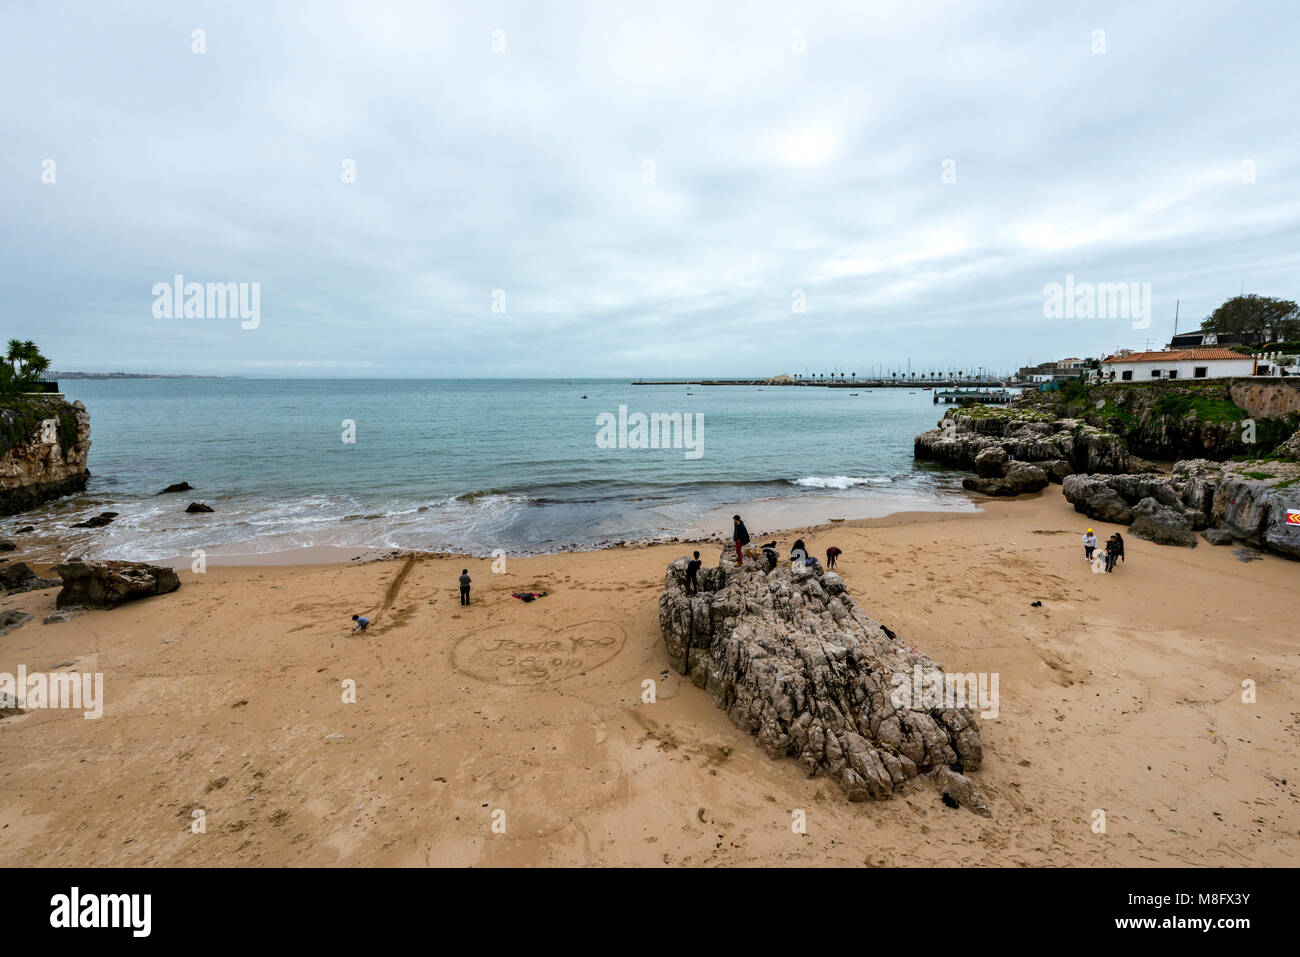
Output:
(99, 521)
(88, 584)
(792, 659)
(19, 578)
(990, 462)
(1056, 469)
(1218, 536)
(11, 619)
(1020, 478)
(177, 487)
(25, 529)
(1161, 524)
(199, 507)
(7, 546)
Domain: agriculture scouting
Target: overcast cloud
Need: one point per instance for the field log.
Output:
(524, 171)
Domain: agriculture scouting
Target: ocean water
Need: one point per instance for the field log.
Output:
(477, 465)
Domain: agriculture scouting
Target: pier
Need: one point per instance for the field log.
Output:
(949, 396)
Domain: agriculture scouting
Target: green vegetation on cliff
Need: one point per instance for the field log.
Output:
(1167, 419)
(21, 417)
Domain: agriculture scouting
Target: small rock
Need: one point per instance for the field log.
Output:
(99, 521)
(1218, 536)
(7, 546)
(58, 618)
(9, 620)
(177, 487)
(199, 507)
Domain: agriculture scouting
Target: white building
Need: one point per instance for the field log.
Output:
(1210, 363)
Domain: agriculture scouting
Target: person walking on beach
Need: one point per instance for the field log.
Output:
(1089, 543)
(692, 569)
(464, 586)
(1114, 551)
(740, 536)
(832, 553)
(361, 623)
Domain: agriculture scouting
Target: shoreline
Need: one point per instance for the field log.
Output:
(776, 516)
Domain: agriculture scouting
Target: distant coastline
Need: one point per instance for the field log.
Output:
(133, 375)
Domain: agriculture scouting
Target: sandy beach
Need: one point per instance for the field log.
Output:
(1121, 692)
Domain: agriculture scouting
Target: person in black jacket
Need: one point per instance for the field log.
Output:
(740, 536)
(1114, 551)
(692, 569)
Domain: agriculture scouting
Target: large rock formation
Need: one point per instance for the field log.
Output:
(109, 584)
(1246, 500)
(791, 658)
(977, 439)
(44, 443)
(1171, 419)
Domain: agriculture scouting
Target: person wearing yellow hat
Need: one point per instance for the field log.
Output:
(1089, 543)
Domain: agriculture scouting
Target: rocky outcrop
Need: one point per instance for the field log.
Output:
(984, 438)
(109, 584)
(44, 444)
(177, 487)
(792, 659)
(1241, 501)
(195, 507)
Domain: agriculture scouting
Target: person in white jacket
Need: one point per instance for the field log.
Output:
(1089, 543)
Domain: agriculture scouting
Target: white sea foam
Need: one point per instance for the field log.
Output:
(841, 481)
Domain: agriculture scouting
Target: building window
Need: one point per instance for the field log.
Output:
(1173, 373)
(1200, 372)
(1155, 373)
(1127, 375)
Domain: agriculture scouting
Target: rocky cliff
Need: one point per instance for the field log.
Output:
(44, 443)
(792, 659)
(1234, 501)
(1183, 419)
(997, 442)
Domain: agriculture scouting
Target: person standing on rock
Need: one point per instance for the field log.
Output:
(740, 536)
(1089, 543)
(692, 569)
(464, 586)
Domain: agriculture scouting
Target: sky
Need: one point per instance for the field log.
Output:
(619, 189)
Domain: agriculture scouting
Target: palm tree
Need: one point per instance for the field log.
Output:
(25, 366)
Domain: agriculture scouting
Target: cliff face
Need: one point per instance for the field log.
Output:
(44, 444)
(1183, 419)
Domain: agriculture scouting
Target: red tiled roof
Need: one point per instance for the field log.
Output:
(1178, 355)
